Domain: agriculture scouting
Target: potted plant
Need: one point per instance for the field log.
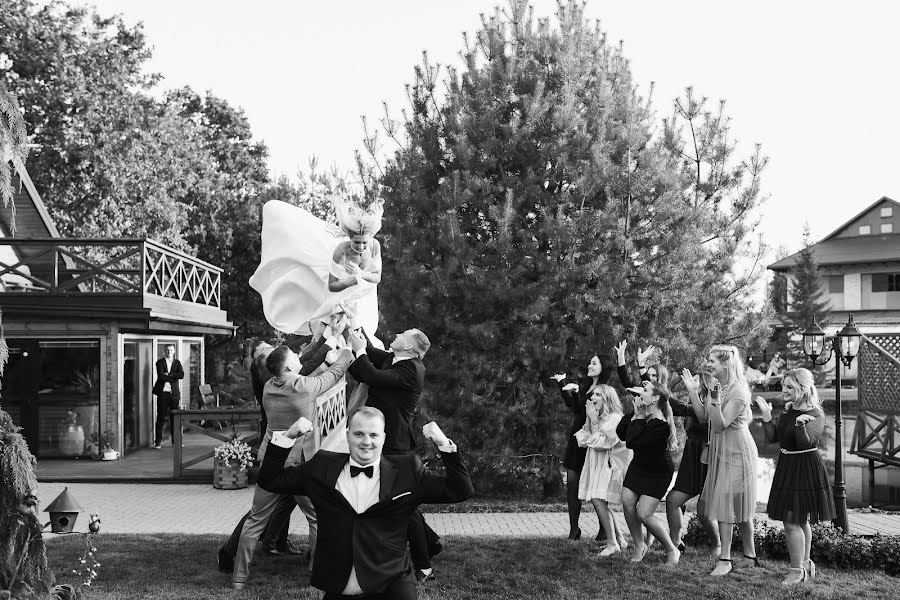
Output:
(107, 450)
(231, 464)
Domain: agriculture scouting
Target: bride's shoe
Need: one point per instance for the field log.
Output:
(795, 576)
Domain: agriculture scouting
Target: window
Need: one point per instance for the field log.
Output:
(835, 284)
(887, 228)
(887, 211)
(886, 282)
(865, 229)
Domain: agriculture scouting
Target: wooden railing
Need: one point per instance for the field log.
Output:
(128, 266)
(877, 433)
(331, 409)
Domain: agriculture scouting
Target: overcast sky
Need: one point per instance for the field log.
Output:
(815, 82)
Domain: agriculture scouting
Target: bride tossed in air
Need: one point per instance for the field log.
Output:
(310, 269)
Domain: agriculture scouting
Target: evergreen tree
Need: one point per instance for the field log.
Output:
(808, 290)
(537, 212)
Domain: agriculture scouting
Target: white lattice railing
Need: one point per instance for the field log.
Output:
(331, 410)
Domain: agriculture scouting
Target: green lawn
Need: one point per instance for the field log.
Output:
(168, 567)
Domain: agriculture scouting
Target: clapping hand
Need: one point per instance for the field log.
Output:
(558, 377)
(764, 407)
(591, 410)
(802, 420)
(691, 382)
(301, 426)
(643, 355)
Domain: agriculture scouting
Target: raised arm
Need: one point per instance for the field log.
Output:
(735, 404)
(403, 376)
(327, 379)
(808, 432)
(274, 477)
(456, 486)
(606, 437)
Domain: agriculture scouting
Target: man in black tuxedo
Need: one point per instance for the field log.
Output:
(363, 501)
(168, 393)
(395, 381)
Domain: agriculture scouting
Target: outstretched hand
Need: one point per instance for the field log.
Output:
(802, 420)
(357, 341)
(643, 355)
(690, 381)
(558, 377)
(764, 407)
(620, 352)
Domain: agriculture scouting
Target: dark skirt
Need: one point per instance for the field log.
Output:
(800, 490)
(691, 472)
(574, 458)
(643, 483)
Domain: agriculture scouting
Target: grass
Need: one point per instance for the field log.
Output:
(170, 567)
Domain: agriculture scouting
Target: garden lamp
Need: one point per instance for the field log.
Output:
(814, 341)
(849, 338)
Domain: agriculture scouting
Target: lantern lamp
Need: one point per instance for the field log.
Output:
(849, 338)
(813, 340)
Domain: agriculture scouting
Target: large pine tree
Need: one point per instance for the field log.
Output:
(538, 212)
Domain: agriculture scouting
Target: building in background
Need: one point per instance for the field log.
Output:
(85, 321)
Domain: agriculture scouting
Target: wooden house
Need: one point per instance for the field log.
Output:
(86, 320)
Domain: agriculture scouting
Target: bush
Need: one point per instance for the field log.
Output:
(505, 477)
(829, 546)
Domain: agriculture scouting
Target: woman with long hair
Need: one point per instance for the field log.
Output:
(800, 493)
(692, 470)
(650, 433)
(606, 462)
(576, 396)
(729, 493)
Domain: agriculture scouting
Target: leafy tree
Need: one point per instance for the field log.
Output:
(537, 212)
(808, 290)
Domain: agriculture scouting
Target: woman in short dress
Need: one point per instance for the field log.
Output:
(650, 433)
(729, 493)
(575, 396)
(800, 492)
(692, 470)
(606, 462)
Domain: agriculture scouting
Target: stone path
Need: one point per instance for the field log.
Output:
(202, 509)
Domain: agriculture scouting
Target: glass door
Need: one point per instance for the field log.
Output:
(137, 393)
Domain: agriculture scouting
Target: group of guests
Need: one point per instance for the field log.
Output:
(619, 456)
(287, 384)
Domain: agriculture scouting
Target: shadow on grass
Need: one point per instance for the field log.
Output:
(169, 567)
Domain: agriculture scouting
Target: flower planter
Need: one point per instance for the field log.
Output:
(228, 477)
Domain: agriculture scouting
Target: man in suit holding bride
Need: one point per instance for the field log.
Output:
(364, 501)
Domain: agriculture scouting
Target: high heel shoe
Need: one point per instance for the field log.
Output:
(795, 576)
(723, 567)
(810, 567)
(577, 535)
(746, 561)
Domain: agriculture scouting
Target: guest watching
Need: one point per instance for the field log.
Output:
(606, 462)
(800, 492)
(576, 396)
(729, 494)
(650, 433)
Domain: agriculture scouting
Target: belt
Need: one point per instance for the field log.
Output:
(783, 451)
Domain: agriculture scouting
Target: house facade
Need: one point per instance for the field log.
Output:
(85, 321)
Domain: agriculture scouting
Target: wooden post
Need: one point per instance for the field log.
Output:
(176, 441)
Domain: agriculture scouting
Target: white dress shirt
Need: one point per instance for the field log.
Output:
(168, 386)
(361, 493)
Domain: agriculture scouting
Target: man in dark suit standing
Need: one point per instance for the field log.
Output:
(168, 393)
(363, 501)
(395, 381)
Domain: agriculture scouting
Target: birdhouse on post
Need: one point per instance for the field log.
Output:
(63, 512)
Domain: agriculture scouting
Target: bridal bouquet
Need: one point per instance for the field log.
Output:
(235, 453)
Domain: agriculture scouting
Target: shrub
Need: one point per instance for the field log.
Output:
(829, 545)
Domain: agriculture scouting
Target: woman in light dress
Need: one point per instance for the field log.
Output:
(606, 461)
(729, 494)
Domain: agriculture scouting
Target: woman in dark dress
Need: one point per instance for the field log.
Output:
(692, 470)
(575, 395)
(800, 493)
(650, 433)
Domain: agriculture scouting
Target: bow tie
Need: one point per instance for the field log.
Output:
(369, 471)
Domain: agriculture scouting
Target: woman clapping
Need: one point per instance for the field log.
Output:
(606, 462)
(800, 494)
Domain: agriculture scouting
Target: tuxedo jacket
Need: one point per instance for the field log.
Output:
(394, 389)
(375, 540)
(173, 376)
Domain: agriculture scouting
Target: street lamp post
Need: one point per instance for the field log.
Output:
(844, 347)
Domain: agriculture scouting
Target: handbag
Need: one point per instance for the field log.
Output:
(704, 454)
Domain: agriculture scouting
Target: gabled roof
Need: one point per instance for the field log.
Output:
(847, 250)
(834, 233)
(837, 249)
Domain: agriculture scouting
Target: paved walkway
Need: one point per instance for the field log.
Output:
(198, 509)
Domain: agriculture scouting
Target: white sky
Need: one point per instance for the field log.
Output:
(815, 82)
